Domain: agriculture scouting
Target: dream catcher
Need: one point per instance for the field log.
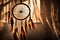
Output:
(21, 12)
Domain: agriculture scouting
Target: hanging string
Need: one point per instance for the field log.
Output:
(20, 1)
(29, 26)
(22, 32)
(26, 25)
(29, 22)
(21, 23)
(15, 22)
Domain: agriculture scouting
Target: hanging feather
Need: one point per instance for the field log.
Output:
(22, 34)
(29, 26)
(26, 26)
(22, 30)
(15, 34)
(32, 24)
(12, 23)
(29, 23)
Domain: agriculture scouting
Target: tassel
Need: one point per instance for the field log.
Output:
(26, 26)
(22, 30)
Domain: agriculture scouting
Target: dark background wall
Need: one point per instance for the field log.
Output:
(59, 10)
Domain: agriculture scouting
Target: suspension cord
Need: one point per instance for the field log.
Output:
(20, 1)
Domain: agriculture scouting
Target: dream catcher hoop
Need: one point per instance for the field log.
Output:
(21, 11)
